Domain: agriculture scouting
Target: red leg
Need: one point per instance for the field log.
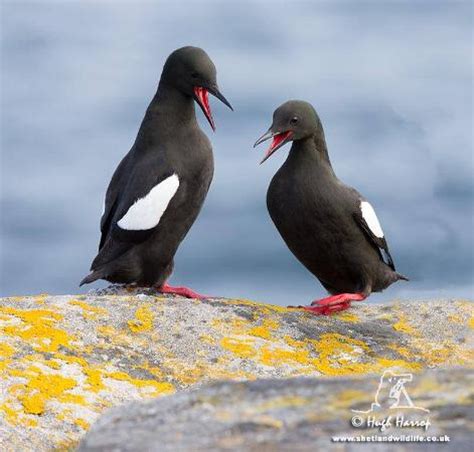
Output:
(334, 303)
(183, 291)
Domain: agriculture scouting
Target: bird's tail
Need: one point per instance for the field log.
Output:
(401, 277)
(93, 276)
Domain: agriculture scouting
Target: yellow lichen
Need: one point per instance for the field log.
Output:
(38, 347)
(40, 389)
(37, 328)
(404, 327)
(14, 417)
(275, 356)
(264, 330)
(82, 423)
(386, 363)
(88, 311)
(402, 351)
(94, 379)
(240, 346)
(159, 387)
(143, 320)
(347, 317)
(6, 351)
(340, 355)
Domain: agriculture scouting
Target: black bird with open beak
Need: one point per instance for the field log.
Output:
(330, 228)
(159, 187)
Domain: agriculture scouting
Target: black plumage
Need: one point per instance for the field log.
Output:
(170, 151)
(327, 225)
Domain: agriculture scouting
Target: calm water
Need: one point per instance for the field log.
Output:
(390, 80)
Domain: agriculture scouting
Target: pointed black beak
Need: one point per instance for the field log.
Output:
(266, 136)
(214, 90)
(279, 139)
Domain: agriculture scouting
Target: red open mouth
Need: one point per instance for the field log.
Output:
(277, 141)
(202, 97)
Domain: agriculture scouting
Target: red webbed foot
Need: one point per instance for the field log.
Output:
(182, 291)
(334, 303)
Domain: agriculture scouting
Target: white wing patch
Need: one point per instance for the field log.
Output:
(368, 214)
(146, 212)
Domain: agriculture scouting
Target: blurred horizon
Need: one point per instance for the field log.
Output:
(392, 84)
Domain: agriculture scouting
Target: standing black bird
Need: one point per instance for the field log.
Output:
(331, 229)
(159, 187)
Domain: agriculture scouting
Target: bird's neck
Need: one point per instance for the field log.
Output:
(169, 110)
(170, 101)
(311, 152)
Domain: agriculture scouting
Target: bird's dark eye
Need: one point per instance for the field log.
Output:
(195, 75)
(294, 120)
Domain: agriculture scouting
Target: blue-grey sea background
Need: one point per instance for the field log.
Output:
(391, 80)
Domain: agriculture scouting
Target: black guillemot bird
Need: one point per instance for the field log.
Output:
(159, 187)
(330, 228)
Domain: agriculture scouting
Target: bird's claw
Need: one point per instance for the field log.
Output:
(332, 304)
(182, 291)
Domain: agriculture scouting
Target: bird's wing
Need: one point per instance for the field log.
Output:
(111, 197)
(138, 208)
(146, 201)
(367, 220)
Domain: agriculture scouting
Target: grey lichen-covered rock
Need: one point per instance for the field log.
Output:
(65, 359)
(299, 414)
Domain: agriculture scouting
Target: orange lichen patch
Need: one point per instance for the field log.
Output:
(445, 352)
(404, 327)
(347, 317)
(471, 322)
(294, 342)
(265, 329)
(94, 379)
(275, 356)
(386, 363)
(37, 328)
(154, 370)
(12, 416)
(188, 374)
(41, 388)
(88, 311)
(158, 387)
(234, 324)
(75, 399)
(243, 347)
(9, 413)
(6, 352)
(338, 354)
(64, 414)
(93, 373)
(106, 330)
(82, 423)
(342, 355)
(143, 320)
(402, 351)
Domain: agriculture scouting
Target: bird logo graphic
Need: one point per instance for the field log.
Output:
(392, 394)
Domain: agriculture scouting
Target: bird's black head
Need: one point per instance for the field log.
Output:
(191, 71)
(292, 121)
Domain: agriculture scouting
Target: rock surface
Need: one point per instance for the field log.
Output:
(66, 359)
(298, 414)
